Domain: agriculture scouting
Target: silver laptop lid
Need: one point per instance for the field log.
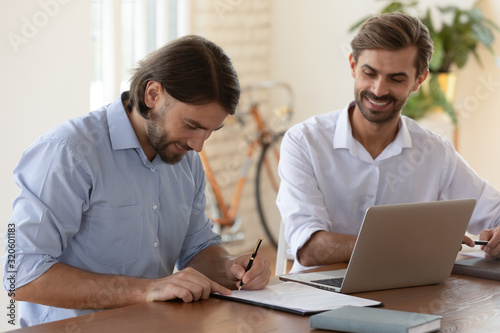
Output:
(405, 245)
(401, 245)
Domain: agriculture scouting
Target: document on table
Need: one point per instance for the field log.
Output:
(296, 298)
(474, 254)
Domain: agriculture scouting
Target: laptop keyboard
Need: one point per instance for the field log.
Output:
(333, 282)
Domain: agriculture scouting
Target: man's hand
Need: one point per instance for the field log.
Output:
(228, 270)
(467, 241)
(188, 285)
(493, 237)
(258, 275)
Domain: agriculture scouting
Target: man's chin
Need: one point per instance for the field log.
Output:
(171, 159)
(378, 116)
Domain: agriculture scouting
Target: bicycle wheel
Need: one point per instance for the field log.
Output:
(267, 183)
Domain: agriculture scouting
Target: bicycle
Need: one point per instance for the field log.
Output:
(267, 136)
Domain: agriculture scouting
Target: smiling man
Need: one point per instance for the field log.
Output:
(334, 166)
(112, 201)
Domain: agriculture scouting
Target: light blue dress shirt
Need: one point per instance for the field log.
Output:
(91, 199)
(329, 180)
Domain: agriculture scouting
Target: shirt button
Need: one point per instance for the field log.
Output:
(155, 244)
(153, 169)
(155, 207)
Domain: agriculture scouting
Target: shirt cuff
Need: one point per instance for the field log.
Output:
(28, 267)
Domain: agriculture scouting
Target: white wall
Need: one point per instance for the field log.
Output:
(310, 49)
(45, 75)
(478, 97)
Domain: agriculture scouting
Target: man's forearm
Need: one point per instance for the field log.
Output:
(324, 248)
(214, 262)
(68, 287)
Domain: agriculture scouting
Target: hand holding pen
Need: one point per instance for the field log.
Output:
(252, 258)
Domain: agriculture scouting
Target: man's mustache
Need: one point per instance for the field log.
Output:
(384, 98)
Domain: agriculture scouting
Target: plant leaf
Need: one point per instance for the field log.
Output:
(483, 34)
(438, 55)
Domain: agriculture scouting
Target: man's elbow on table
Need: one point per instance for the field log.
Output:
(305, 258)
(324, 248)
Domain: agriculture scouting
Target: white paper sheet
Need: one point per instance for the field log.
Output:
(474, 254)
(298, 298)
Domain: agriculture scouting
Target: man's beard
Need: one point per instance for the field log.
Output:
(160, 142)
(376, 116)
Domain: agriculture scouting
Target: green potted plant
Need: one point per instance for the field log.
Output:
(455, 39)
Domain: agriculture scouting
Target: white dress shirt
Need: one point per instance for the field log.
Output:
(329, 180)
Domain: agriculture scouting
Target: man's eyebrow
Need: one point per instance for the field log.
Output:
(391, 75)
(197, 124)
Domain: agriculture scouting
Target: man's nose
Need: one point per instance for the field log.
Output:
(196, 141)
(380, 88)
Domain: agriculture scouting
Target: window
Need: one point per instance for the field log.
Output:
(123, 32)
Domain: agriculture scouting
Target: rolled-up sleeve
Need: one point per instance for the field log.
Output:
(47, 212)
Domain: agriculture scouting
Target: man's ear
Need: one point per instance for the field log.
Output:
(420, 79)
(352, 64)
(153, 93)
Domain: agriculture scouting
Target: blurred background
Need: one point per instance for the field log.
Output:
(62, 58)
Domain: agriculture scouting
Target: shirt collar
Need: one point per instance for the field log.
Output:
(343, 138)
(120, 129)
(343, 132)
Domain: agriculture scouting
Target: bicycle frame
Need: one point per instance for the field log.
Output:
(228, 212)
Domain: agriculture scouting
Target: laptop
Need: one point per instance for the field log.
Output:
(399, 245)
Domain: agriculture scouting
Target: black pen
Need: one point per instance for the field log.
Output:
(252, 257)
(480, 242)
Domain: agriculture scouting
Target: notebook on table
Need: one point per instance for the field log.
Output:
(400, 245)
(370, 320)
(478, 267)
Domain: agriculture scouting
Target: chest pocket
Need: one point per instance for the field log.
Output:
(114, 234)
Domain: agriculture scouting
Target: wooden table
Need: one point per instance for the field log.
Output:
(467, 304)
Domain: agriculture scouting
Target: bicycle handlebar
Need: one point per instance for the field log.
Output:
(262, 85)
